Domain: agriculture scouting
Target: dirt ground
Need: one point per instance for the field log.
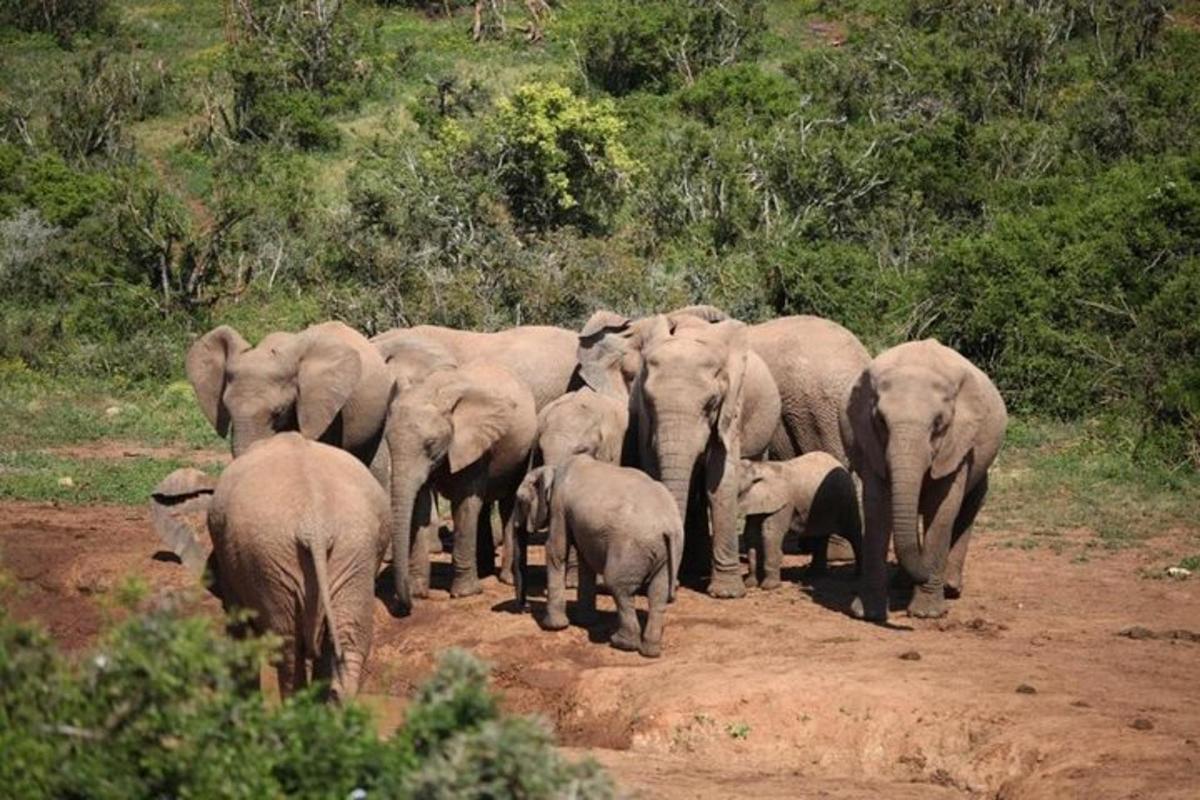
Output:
(1028, 689)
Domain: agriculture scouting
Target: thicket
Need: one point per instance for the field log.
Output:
(160, 709)
(1020, 179)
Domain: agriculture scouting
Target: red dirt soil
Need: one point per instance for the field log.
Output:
(1025, 690)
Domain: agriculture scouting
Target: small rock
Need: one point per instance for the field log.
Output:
(910, 655)
(1081, 704)
(1142, 724)
(1179, 573)
(1136, 632)
(66, 482)
(1025, 688)
(112, 411)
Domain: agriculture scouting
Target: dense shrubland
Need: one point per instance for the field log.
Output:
(1019, 179)
(159, 709)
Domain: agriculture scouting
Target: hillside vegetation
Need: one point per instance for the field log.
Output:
(1020, 179)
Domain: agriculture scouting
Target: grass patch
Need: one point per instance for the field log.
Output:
(43, 477)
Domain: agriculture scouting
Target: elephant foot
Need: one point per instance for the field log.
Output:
(953, 590)
(465, 587)
(623, 641)
(868, 612)
(505, 576)
(420, 590)
(726, 586)
(769, 583)
(397, 607)
(555, 621)
(927, 604)
(750, 581)
(650, 649)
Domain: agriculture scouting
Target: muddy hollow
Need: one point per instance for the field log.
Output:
(1053, 676)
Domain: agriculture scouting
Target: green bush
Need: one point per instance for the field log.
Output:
(655, 45)
(161, 709)
(63, 19)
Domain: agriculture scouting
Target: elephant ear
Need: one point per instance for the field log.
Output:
(205, 367)
(859, 431)
(328, 372)
(602, 346)
(179, 510)
(959, 438)
(764, 491)
(732, 376)
(604, 322)
(479, 418)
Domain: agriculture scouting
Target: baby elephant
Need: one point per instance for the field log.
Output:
(298, 530)
(812, 494)
(623, 524)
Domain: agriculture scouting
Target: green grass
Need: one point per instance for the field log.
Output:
(41, 477)
(1056, 477)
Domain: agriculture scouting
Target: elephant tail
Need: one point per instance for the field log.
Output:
(672, 578)
(318, 547)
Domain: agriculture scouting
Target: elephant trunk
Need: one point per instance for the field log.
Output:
(245, 432)
(675, 471)
(908, 460)
(404, 497)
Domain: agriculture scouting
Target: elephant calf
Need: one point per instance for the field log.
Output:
(812, 493)
(623, 524)
(298, 530)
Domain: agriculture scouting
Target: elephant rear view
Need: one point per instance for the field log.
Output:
(298, 530)
(922, 427)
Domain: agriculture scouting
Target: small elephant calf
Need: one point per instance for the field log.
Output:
(299, 529)
(624, 525)
(813, 494)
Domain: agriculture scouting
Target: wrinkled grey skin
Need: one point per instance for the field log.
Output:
(298, 531)
(922, 427)
(625, 527)
(540, 356)
(467, 433)
(583, 421)
(703, 402)
(327, 382)
(812, 494)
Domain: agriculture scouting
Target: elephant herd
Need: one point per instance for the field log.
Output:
(635, 443)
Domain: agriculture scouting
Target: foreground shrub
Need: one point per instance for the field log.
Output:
(160, 709)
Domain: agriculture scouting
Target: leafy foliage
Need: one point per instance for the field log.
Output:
(161, 708)
(63, 19)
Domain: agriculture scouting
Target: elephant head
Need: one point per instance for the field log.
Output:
(915, 411)
(411, 358)
(688, 398)
(179, 512)
(444, 423)
(288, 382)
(762, 487)
(531, 513)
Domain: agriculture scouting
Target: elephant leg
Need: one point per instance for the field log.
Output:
(872, 600)
(507, 504)
(726, 579)
(773, 531)
(939, 508)
(629, 633)
(585, 604)
(556, 567)
(290, 671)
(657, 594)
(963, 526)
(752, 535)
(466, 519)
(572, 567)
(419, 565)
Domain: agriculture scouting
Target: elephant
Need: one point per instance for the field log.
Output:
(466, 432)
(327, 382)
(812, 494)
(625, 527)
(922, 426)
(298, 530)
(582, 421)
(541, 356)
(703, 401)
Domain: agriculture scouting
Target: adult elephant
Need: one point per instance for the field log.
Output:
(814, 362)
(466, 433)
(541, 356)
(327, 382)
(703, 401)
(922, 426)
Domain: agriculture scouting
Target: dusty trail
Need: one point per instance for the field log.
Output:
(1026, 690)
